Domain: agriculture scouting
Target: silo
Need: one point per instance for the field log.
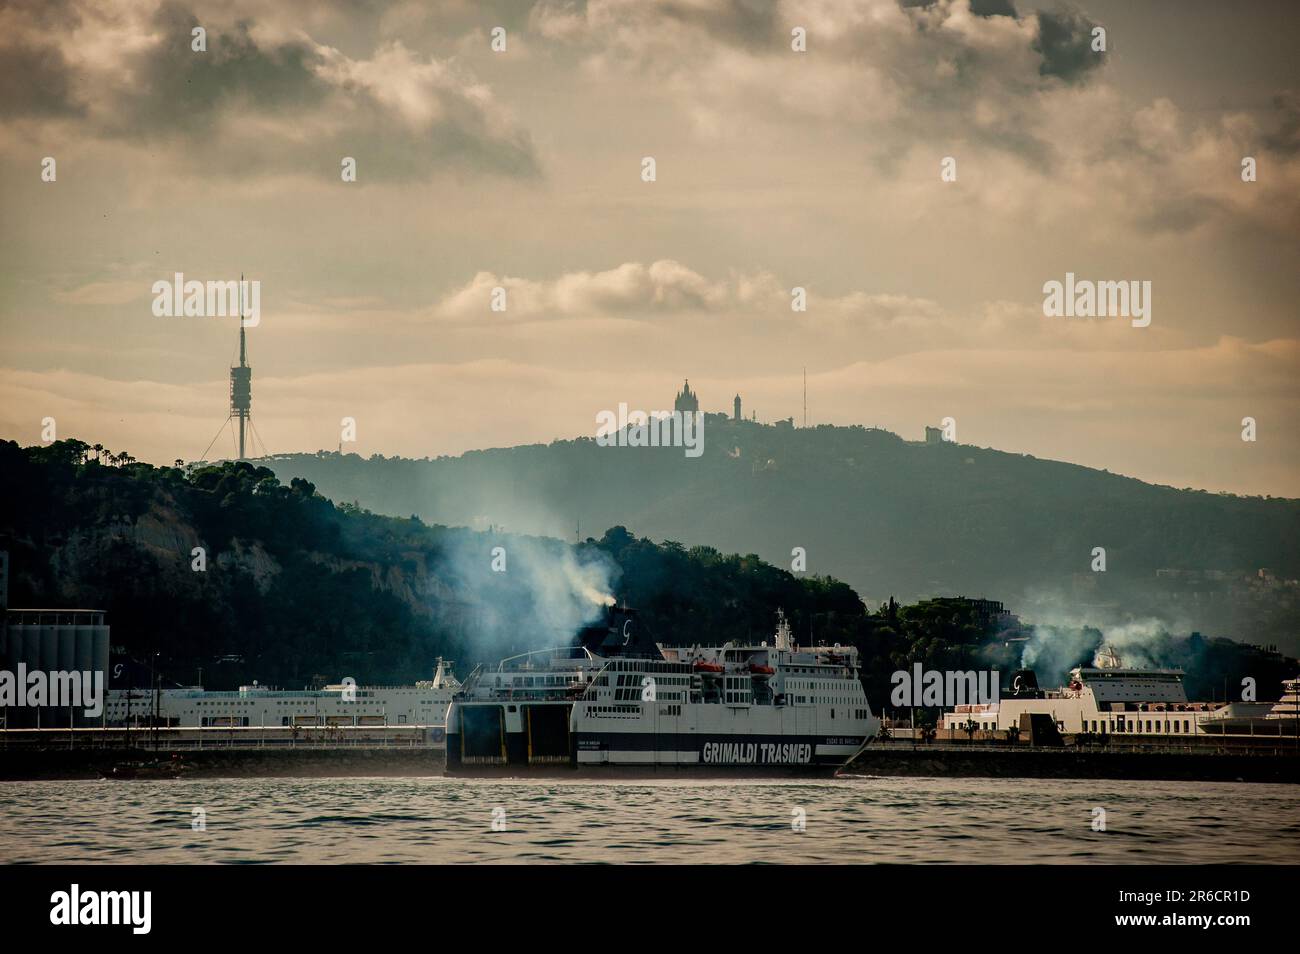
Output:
(13, 643)
(85, 643)
(100, 652)
(50, 644)
(52, 714)
(31, 646)
(27, 653)
(67, 648)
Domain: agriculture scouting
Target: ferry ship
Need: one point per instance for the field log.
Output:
(422, 704)
(618, 700)
(1245, 718)
(1108, 699)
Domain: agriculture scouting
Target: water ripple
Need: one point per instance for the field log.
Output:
(863, 819)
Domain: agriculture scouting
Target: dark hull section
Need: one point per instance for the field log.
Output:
(760, 753)
(546, 731)
(479, 739)
(478, 743)
(588, 772)
(480, 736)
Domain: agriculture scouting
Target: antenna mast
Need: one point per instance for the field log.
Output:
(241, 378)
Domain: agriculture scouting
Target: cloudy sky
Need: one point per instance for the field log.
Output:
(774, 168)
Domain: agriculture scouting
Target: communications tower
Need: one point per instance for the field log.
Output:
(241, 379)
(241, 394)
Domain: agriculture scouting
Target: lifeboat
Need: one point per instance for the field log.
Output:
(703, 665)
(761, 670)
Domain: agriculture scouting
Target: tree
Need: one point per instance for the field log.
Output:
(76, 450)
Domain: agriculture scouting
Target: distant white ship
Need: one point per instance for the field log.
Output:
(618, 700)
(1281, 718)
(1108, 699)
(422, 704)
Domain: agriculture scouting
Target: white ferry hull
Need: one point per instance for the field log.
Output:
(488, 738)
(758, 736)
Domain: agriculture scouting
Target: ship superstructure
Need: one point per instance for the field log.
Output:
(1108, 698)
(617, 699)
(1287, 708)
(342, 704)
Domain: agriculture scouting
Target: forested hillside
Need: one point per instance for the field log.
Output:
(889, 517)
(294, 589)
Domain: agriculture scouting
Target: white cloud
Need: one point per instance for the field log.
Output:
(631, 290)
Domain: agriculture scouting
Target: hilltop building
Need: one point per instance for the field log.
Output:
(687, 400)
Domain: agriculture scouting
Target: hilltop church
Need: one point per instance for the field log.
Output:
(688, 400)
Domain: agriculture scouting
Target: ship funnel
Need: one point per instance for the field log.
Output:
(619, 634)
(1023, 685)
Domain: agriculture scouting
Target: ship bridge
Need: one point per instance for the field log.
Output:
(1132, 685)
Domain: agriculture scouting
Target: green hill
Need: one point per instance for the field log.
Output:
(888, 516)
(295, 590)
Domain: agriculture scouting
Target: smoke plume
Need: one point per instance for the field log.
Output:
(524, 593)
(1057, 646)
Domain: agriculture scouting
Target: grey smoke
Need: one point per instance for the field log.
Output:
(547, 592)
(1056, 648)
(1061, 639)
